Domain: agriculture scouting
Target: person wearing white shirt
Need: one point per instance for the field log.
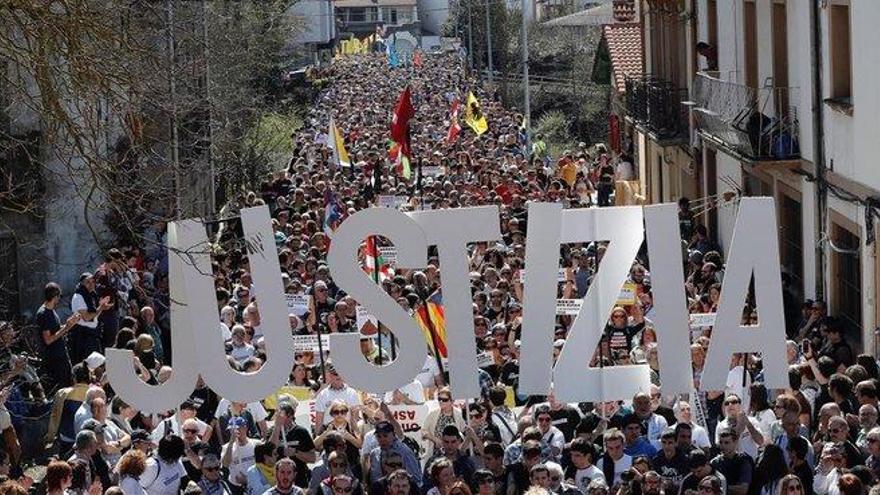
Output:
(336, 390)
(238, 454)
(748, 428)
(552, 440)
(699, 435)
(828, 471)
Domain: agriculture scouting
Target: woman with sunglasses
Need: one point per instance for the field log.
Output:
(438, 419)
(710, 485)
(339, 423)
(341, 480)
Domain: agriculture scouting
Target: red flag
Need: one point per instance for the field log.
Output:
(417, 59)
(403, 111)
(454, 126)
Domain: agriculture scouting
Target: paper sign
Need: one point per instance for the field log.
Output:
(430, 171)
(297, 304)
(560, 275)
(509, 397)
(411, 419)
(389, 254)
(485, 359)
(627, 295)
(702, 320)
(366, 323)
(568, 307)
(388, 201)
(305, 414)
(309, 343)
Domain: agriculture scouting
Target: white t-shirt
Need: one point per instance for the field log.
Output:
(242, 459)
(130, 486)
(620, 466)
(326, 397)
(583, 477)
(77, 303)
(429, 371)
(241, 354)
(161, 478)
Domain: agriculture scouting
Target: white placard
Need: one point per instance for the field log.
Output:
(389, 254)
(388, 201)
(363, 318)
(430, 171)
(560, 275)
(309, 343)
(411, 418)
(485, 359)
(568, 307)
(297, 304)
(305, 414)
(702, 320)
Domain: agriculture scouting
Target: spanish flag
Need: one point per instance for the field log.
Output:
(431, 318)
(337, 146)
(473, 115)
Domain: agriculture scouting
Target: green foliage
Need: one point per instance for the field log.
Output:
(270, 137)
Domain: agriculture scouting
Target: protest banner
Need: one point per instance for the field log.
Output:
(297, 304)
(485, 359)
(366, 323)
(389, 201)
(702, 320)
(305, 414)
(299, 393)
(430, 170)
(568, 307)
(389, 254)
(309, 343)
(411, 418)
(627, 295)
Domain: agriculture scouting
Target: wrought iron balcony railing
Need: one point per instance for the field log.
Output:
(759, 124)
(657, 105)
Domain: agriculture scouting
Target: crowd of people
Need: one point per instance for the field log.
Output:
(820, 435)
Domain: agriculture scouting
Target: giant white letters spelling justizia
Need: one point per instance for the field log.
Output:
(198, 347)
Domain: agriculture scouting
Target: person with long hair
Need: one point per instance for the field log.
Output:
(165, 472)
(442, 475)
(760, 408)
(769, 470)
(438, 419)
(790, 484)
(59, 477)
(130, 467)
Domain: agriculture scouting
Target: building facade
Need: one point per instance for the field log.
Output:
(777, 103)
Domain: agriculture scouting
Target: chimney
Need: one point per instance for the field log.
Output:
(624, 10)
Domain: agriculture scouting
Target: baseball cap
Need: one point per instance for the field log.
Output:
(236, 422)
(384, 427)
(95, 360)
(140, 436)
(85, 275)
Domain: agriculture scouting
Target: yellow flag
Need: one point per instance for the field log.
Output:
(473, 115)
(337, 146)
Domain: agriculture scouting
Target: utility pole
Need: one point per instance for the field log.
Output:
(172, 91)
(212, 199)
(489, 42)
(527, 119)
(470, 37)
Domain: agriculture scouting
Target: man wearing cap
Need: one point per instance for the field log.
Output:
(700, 468)
(212, 483)
(85, 337)
(388, 441)
(238, 454)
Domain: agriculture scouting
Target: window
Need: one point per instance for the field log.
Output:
(846, 277)
(712, 23)
(780, 55)
(750, 39)
(841, 63)
(791, 242)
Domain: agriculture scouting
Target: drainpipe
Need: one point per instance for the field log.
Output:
(818, 115)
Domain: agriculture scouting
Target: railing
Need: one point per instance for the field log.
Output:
(759, 124)
(657, 105)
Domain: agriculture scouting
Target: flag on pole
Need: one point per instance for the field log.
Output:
(400, 160)
(431, 318)
(337, 146)
(473, 115)
(417, 59)
(454, 124)
(374, 264)
(403, 112)
(332, 211)
(393, 58)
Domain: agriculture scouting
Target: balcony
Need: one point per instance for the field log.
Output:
(656, 105)
(752, 124)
